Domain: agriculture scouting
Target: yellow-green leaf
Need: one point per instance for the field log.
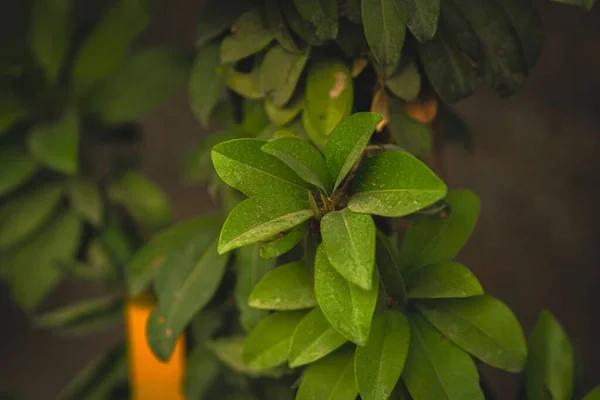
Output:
(287, 287)
(17, 167)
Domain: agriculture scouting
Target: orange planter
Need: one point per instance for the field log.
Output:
(150, 378)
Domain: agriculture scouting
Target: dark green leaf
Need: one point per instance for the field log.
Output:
(313, 339)
(322, 14)
(437, 369)
(260, 218)
(84, 272)
(251, 268)
(301, 27)
(143, 82)
(106, 48)
(280, 72)
(277, 25)
(347, 142)
(585, 4)
(303, 158)
(246, 84)
(348, 308)
(504, 62)
(216, 17)
(329, 95)
(206, 86)
(444, 280)
(288, 287)
(11, 111)
(205, 324)
(31, 277)
(352, 10)
(389, 269)
(250, 36)
(593, 395)
(406, 82)
(268, 344)
(550, 365)
(49, 35)
(84, 316)
(379, 364)
(349, 242)
(229, 351)
(184, 284)
(385, 32)
(411, 135)
(242, 164)
(86, 199)
(421, 17)
(153, 256)
(430, 240)
(254, 117)
(17, 167)
(22, 215)
(483, 326)
(526, 22)
(331, 378)
(412, 187)
(202, 370)
(143, 199)
(282, 245)
(352, 41)
(118, 240)
(57, 146)
(98, 378)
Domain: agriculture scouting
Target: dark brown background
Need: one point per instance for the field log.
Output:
(535, 168)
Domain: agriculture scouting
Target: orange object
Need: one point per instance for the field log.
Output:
(150, 378)
(422, 111)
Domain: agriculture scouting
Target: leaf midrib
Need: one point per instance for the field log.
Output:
(430, 362)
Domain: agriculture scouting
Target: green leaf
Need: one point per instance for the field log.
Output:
(349, 242)
(299, 25)
(229, 351)
(347, 142)
(100, 260)
(481, 325)
(550, 367)
(84, 316)
(329, 95)
(504, 66)
(444, 280)
(287, 242)
(313, 339)
(322, 14)
(250, 36)
(202, 370)
(242, 164)
(97, 379)
(214, 18)
(330, 378)
(524, 18)
(385, 32)
(389, 269)
(106, 48)
(260, 218)
(421, 17)
(86, 199)
(22, 215)
(585, 4)
(351, 40)
(280, 72)
(406, 82)
(254, 117)
(274, 14)
(86, 273)
(246, 84)
(268, 344)
(317, 138)
(184, 284)
(118, 240)
(153, 256)
(411, 135)
(431, 240)
(17, 167)
(437, 369)
(288, 287)
(281, 116)
(11, 111)
(143, 199)
(352, 10)
(57, 146)
(303, 158)
(379, 364)
(251, 268)
(206, 86)
(31, 277)
(142, 83)
(49, 35)
(593, 395)
(377, 191)
(348, 308)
